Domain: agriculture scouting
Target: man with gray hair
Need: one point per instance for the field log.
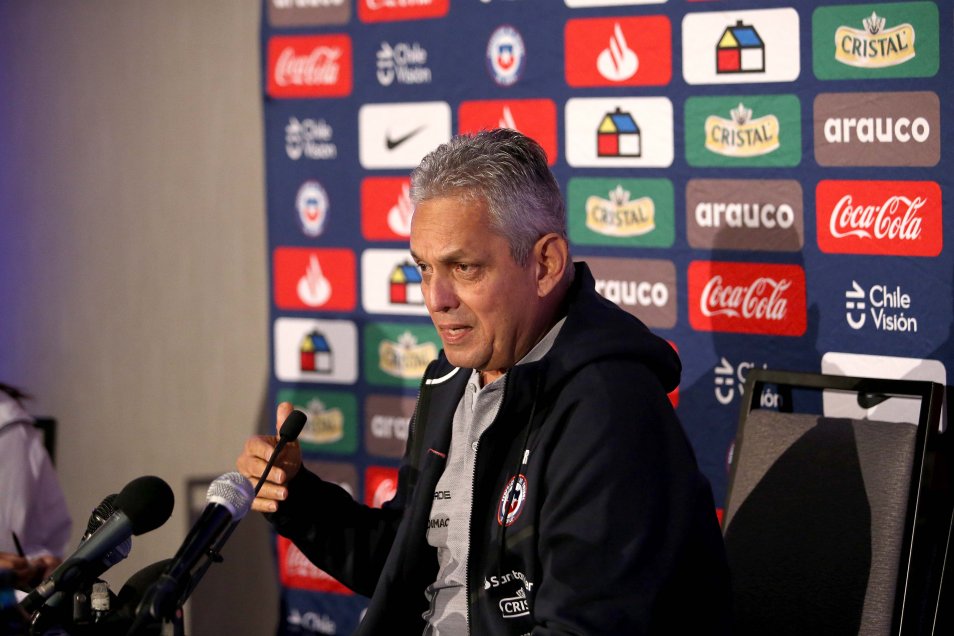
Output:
(547, 486)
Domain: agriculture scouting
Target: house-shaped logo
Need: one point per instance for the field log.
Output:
(618, 135)
(740, 50)
(406, 285)
(315, 353)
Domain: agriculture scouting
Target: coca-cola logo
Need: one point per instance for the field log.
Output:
(297, 572)
(880, 217)
(309, 66)
(762, 299)
(320, 67)
(747, 298)
(390, 10)
(897, 218)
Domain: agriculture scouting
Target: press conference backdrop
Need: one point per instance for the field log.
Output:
(761, 183)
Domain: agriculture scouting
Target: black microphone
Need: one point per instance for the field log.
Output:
(143, 505)
(60, 601)
(288, 432)
(229, 499)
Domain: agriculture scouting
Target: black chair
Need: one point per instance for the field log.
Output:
(838, 525)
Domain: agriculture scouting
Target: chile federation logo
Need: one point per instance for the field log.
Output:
(512, 499)
(506, 55)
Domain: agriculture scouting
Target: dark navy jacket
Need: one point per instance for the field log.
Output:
(589, 514)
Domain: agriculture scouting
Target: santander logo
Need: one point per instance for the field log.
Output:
(618, 62)
(618, 51)
(747, 298)
(309, 66)
(901, 218)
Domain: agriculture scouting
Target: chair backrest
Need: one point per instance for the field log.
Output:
(834, 525)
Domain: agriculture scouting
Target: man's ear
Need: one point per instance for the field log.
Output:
(550, 256)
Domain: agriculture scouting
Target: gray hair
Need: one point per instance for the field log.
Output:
(509, 172)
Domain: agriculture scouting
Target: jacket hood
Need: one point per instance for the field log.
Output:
(596, 328)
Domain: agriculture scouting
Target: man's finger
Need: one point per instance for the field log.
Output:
(284, 410)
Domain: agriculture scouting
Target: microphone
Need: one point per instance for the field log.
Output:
(229, 499)
(97, 518)
(143, 505)
(101, 513)
(288, 432)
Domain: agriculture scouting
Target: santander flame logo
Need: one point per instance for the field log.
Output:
(617, 63)
(897, 218)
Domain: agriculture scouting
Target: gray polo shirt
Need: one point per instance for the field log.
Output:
(447, 529)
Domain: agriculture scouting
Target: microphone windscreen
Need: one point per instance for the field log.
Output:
(100, 514)
(97, 518)
(292, 425)
(233, 491)
(147, 502)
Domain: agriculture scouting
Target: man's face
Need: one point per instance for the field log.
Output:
(485, 306)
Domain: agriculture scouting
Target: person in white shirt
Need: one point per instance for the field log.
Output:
(35, 523)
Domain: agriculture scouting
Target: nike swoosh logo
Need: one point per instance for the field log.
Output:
(394, 143)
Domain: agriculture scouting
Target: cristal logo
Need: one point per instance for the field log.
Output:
(618, 216)
(617, 63)
(406, 358)
(742, 136)
(874, 46)
(325, 426)
(897, 218)
(762, 299)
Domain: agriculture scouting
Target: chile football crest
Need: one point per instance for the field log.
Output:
(512, 499)
(506, 55)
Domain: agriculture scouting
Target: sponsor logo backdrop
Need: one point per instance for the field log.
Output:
(764, 184)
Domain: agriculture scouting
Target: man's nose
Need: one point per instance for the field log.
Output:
(440, 294)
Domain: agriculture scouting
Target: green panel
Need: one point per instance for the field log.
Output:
(622, 212)
(771, 136)
(396, 354)
(332, 425)
(905, 46)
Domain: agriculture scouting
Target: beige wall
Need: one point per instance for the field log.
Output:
(133, 298)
